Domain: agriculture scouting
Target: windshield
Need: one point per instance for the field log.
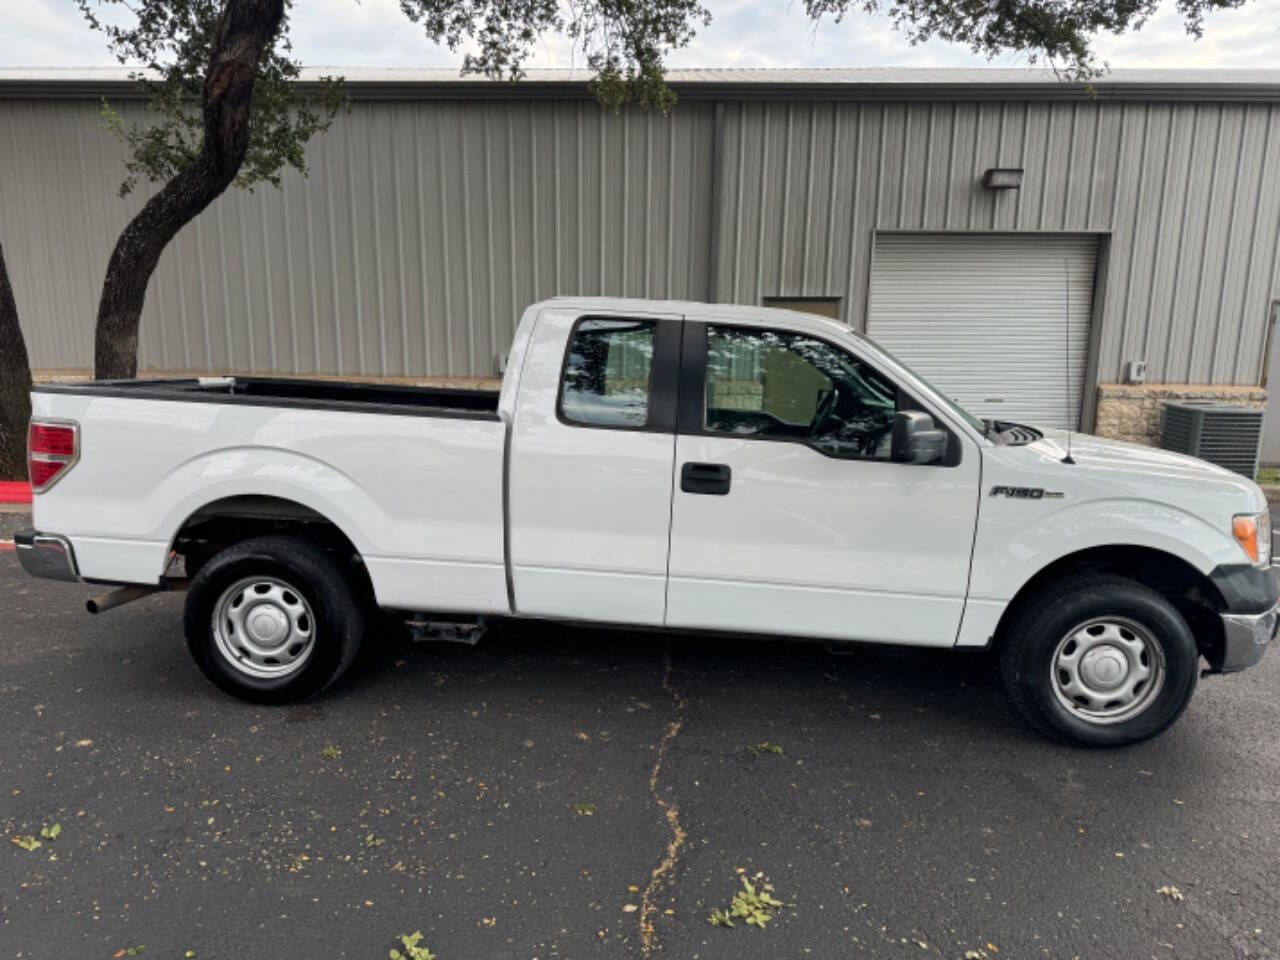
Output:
(959, 411)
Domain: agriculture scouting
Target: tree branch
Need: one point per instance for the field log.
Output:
(246, 30)
(15, 384)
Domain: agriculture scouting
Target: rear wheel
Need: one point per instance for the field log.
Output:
(1099, 660)
(273, 619)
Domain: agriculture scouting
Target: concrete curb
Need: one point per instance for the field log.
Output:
(1271, 491)
(18, 491)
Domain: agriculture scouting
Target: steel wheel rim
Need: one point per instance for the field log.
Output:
(264, 628)
(1107, 670)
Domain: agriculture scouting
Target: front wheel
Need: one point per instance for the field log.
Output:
(272, 619)
(1099, 660)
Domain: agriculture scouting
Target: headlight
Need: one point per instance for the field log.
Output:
(1253, 532)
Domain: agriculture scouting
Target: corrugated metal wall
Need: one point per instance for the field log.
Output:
(1189, 194)
(427, 226)
(424, 230)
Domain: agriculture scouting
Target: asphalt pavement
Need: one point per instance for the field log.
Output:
(566, 792)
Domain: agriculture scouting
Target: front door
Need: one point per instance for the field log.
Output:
(789, 517)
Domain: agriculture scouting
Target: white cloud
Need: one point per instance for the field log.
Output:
(744, 33)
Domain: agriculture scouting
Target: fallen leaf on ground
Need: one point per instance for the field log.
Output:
(1170, 891)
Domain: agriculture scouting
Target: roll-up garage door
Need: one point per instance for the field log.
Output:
(998, 322)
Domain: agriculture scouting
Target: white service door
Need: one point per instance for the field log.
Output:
(998, 322)
(841, 544)
(590, 472)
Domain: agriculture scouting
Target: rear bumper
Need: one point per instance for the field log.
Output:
(46, 555)
(1245, 638)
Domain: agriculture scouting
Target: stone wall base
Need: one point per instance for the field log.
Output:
(1132, 411)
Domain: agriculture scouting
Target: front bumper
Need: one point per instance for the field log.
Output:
(1245, 638)
(46, 555)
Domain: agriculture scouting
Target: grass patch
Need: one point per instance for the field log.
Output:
(1269, 475)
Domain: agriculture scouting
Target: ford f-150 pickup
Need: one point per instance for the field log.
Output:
(658, 464)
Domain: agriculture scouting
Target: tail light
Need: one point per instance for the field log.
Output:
(53, 447)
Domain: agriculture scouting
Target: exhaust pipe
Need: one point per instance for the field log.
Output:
(123, 595)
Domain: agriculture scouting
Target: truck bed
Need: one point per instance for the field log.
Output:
(298, 392)
(412, 477)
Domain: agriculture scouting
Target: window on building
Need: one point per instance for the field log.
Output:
(777, 385)
(607, 373)
(822, 306)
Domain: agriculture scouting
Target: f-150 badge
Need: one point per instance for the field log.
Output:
(1027, 493)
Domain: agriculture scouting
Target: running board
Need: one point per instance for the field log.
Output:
(445, 631)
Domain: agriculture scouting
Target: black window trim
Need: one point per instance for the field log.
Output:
(664, 378)
(693, 391)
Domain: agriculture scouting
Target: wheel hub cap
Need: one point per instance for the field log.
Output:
(1107, 670)
(264, 627)
(1104, 667)
(268, 626)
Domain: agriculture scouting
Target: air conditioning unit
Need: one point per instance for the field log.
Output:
(1227, 435)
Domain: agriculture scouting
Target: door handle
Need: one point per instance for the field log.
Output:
(712, 478)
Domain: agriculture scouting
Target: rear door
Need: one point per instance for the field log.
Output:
(590, 467)
(788, 515)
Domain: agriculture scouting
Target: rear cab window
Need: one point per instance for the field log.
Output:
(608, 373)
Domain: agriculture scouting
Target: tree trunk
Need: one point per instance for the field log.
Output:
(246, 29)
(15, 385)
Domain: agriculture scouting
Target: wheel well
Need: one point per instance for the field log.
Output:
(219, 524)
(1190, 591)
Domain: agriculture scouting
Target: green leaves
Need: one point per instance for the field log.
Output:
(29, 843)
(585, 809)
(331, 752)
(754, 903)
(410, 943)
(766, 747)
(173, 42)
(622, 44)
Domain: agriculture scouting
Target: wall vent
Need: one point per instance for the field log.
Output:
(1228, 436)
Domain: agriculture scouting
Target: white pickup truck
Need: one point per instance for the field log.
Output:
(677, 465)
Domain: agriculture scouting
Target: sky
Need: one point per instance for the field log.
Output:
(743, 33)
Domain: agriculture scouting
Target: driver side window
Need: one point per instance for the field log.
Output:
(776, 385)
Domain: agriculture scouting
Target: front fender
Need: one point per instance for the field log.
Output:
(1010, 549)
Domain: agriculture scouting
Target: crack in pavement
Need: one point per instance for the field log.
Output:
(649, 909)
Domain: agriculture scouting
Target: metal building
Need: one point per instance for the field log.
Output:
(1139, 222)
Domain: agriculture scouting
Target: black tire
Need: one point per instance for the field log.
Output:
(1056, 611)
(315, 590)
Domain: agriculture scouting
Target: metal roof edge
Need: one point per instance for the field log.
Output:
(74, 87)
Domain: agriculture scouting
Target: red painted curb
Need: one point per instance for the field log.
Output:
(15, 492)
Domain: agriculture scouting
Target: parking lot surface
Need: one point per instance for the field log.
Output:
(565, 792)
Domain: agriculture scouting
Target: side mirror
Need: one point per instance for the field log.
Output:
(916, 439)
